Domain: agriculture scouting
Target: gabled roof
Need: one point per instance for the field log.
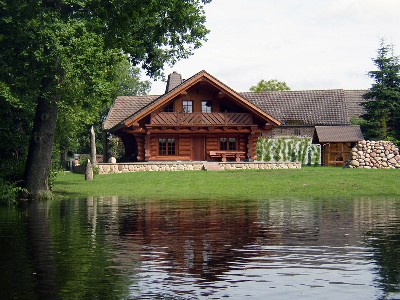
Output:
(339, 134)
(311, 107)
(199, 77)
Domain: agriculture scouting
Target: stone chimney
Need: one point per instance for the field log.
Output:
(174, 79)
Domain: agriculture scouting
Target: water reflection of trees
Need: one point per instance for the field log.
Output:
(69, 260)
(383, 235)
(97, 248)
(16, 273)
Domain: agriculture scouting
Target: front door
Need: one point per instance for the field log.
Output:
(198, 148)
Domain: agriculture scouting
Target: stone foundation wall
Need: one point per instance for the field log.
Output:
(107, 168)
(374, 155)
(148, 167)
(259, 165)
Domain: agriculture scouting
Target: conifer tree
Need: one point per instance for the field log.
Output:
(383, 99)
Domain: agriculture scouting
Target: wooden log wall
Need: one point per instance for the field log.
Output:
(212, 144)
(140, 147)
(184, 146)
(252, 146)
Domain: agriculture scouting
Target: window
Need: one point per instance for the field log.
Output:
(232, 144)
(227, 143)
(169, 108)
(205, 106)
(166, 146)
(187, 106)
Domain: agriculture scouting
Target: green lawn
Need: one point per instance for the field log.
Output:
(321, 182)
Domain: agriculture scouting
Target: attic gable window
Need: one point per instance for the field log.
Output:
(187, 106)
(205, 106)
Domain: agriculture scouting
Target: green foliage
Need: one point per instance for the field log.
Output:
(116, 148)
(287, 149)
(382, 117)
(79, 54)
(284, 152)
(316, 153)
(10, 191)
(128, 81)
(259, 150)
(270, 85)
(15, 127)
(277, 150)
(264, 148)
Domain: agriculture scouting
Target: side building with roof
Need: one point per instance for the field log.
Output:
(202, 119)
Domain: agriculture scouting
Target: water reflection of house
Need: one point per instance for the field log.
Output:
(208, 239)
(196, 239)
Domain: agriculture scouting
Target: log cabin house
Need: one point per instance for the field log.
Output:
(202, 119)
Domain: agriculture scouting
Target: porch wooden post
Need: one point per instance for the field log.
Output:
(252, 146)
(140, 147)
(147, 147)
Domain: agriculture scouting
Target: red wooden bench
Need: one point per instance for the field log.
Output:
(238, 155)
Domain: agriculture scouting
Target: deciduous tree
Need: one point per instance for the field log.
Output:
(270, 85)
(57, 57)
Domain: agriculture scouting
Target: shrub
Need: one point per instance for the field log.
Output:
(10, 192)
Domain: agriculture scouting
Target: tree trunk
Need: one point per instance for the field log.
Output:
(37, 168)
(93, 147)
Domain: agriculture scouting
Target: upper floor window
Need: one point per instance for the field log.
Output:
(169, 108)
(187, 106)
(205, 106)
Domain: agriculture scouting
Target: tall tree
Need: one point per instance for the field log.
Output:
(73, 124)
(270, 85)
(57, 56)
(382, 117)
(128, 81)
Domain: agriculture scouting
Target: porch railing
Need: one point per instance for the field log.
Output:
(197, 118)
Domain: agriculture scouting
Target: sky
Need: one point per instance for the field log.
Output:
(309, 44)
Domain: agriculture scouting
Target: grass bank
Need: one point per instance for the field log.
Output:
(322, 182)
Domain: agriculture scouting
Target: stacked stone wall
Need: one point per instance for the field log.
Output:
(148, 167)
(259, 165)
(374, 155)
(108, 168)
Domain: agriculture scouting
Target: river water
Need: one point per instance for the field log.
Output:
(117, 248)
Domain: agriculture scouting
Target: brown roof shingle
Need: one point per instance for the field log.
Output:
(339, 134)
(312, 107)
(354, 99)
(125, 106)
